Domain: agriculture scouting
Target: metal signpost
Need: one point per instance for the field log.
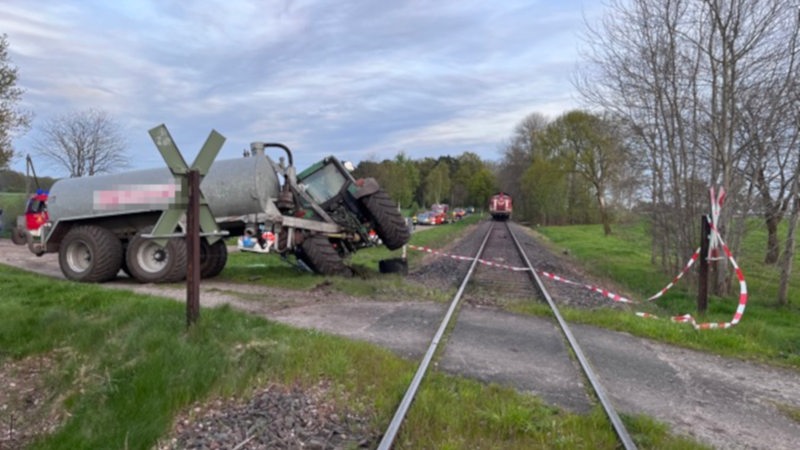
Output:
(702, 279)
(189, 200)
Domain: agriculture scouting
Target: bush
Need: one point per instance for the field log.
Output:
(13, 205)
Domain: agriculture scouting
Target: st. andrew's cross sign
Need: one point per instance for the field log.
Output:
(189, 200)
(165, 227)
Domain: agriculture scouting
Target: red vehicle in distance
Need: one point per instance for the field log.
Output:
(500, 206)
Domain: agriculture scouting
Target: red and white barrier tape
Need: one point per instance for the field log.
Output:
(716, 206)
(715, 242)
(737, 316)
(603, 292)
(691, 261)
(467, 258)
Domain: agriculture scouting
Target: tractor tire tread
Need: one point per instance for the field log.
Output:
(106, 254)
(318, 254)
(387, 220)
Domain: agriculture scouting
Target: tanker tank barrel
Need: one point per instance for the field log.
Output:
(232, 187)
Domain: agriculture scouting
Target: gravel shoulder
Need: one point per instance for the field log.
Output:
(723, 402)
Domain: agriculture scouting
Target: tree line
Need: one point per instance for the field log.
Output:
(466, 180)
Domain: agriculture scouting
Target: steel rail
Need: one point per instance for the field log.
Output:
(400, 413)
(616, 422)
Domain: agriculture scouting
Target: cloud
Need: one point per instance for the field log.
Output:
(359, 76)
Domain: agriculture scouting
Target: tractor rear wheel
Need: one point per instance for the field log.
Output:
(149, 262)
(318, 254)
(386, 219)
(212, 258)
(90, 254)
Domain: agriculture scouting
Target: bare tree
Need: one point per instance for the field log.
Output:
(791, 242)
(752, 48)
(12, 120)
(787, 257)
(677, 72)
(768, 132)
(769, 129)
(85, 143)
(639, 71)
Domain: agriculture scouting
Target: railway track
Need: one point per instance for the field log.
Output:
(516, 277)
(496, 285)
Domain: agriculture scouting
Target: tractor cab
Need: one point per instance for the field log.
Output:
(333, 190)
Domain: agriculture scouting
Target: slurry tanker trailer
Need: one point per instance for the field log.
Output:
(100, 225)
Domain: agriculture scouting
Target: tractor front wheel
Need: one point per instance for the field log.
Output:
(386, 219)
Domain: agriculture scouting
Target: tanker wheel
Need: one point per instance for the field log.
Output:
(18, 236)
(149, 262)
(90, 254)
(387, 220)
(212, 258)
(124, 267)
(318, 254)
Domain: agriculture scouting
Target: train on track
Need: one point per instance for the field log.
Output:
(500, 206)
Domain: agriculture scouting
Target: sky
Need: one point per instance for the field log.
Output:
(358, 79)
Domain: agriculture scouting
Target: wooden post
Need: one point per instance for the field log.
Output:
(193, 249)
(702, 281)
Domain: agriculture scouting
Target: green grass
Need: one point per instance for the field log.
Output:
(13, 205)
(271, 270)
(766, 332)
(125, 366)
(789, 411)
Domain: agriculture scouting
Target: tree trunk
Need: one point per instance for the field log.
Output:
(773, 247)
(601, 205)
(788, 255)
(772, 217)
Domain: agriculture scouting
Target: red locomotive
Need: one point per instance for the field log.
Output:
(500, 206)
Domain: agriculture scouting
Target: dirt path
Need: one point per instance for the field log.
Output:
(725, 403)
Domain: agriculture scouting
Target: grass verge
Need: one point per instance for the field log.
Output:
(124, 366)
(766, 332)
(13, 205)
(272, 270)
